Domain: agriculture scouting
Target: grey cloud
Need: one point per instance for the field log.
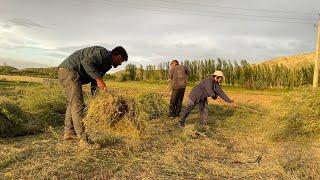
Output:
(152, 37)
(260, 46)
(28, 23)
(71, 49)
(58, 55)
(6, 26)
(13, 46)
(268, 49)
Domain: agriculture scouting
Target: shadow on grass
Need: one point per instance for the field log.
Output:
(215, 112)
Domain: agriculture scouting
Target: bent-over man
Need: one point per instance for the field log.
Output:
(85, 66)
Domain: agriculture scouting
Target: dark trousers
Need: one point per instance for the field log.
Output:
(203, 108)
(71, 82)
(176, 102)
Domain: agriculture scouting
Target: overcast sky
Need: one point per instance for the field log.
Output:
(44, 32)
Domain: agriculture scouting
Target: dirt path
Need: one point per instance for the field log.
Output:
(28, 79)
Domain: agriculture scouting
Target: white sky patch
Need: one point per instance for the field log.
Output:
(46, 31)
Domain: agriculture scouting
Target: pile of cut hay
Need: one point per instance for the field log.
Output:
(10, 121)
(121, 117)
(31, 110)
(46, 103)
(153, 104)
(302, 119)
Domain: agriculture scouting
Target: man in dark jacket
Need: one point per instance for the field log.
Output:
(209, 87)
(85, 66)
(177, 76)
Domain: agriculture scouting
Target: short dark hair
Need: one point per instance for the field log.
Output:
(174, 61)
(119, 50)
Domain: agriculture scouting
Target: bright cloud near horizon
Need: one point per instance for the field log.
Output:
(44, 33)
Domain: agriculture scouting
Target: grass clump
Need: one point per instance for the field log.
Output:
(153, 104)
(47, 104)
(302, 119)
(31, 110)
(10, 117)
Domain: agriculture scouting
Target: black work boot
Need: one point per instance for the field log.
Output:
(182, 124)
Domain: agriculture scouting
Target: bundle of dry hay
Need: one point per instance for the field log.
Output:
(153, 104)
(112, 117)
(31, 110)
(9, 121)
(302, 120)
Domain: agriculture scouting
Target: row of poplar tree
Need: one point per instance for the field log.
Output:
(236, 74)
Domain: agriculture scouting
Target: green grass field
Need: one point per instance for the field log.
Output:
(269, 136)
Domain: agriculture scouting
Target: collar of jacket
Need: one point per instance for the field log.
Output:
(109, 58)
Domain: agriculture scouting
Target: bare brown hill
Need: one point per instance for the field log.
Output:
(9, 68)
(119, 73)
(294, 61)
(38, 70)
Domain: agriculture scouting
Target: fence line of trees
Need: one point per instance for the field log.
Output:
(236, 73)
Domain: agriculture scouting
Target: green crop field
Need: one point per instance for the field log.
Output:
(272, 134)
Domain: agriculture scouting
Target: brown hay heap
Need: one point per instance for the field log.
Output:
(113, 117)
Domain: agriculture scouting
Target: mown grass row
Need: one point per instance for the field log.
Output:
(227, 148)
(30, 109)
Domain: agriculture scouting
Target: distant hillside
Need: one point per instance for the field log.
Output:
(50, 72)
(9, 68)
(293, 61)
(20, 64)
(119, 73)
(39, 70)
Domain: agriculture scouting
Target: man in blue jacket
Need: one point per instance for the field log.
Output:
(209, 87)
(85, 66)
